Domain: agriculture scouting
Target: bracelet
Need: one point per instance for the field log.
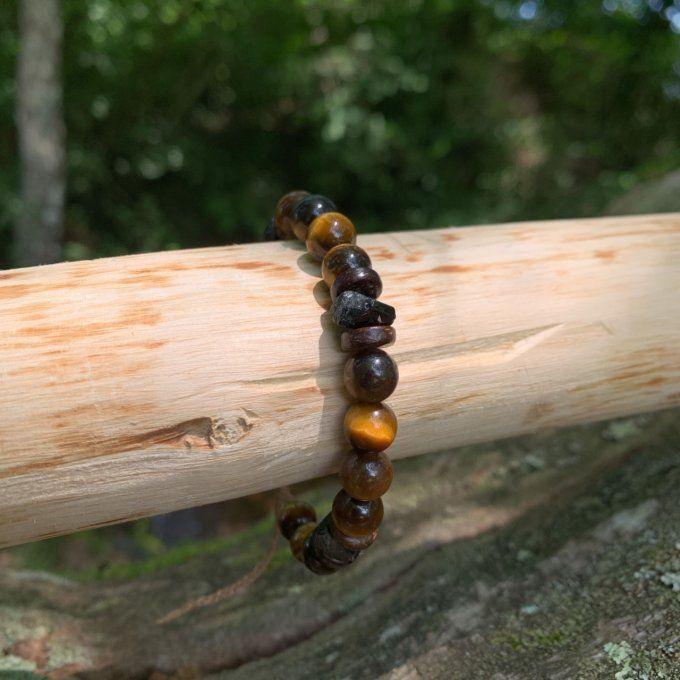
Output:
(370, 376)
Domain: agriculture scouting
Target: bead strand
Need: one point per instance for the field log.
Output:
(370, 377)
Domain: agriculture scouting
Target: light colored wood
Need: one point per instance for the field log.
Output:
(143, 384)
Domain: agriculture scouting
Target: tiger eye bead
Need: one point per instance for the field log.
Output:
(370, 427)
(354, 517)
(307, 210)
(368, 337)
(342, 257)
(354, 310)
(371, 375)
(323, 554)
(327, 231)
(360, 279)
(297, 541)
(366, 475)
(294, 514)
(283, 215)
(357, 543)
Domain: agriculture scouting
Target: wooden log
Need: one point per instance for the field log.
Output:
(143, 384)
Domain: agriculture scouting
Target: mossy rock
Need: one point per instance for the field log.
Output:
(550, 556)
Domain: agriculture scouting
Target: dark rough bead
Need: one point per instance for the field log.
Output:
(283, 215)
(353, 310)
(360, 279)
(323, 553)
(327, 231)
(368, 337)
(370, 427)
(270, 231)
(353, 542)
(366, 475)
(342, 257)
(294, 514)
(315, 562)
(307, 210)
(371, 375)
(354, 517)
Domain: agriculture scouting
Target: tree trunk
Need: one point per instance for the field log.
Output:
(38, 230)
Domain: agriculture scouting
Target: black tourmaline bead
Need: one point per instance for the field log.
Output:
(368, 337)
(323, 553)
(360, 279)
(270, 231)
(307, 210)
(353, 310)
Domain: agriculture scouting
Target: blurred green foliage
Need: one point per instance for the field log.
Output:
(188, 118)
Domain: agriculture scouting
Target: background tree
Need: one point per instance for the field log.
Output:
(39, 226)
(188, 118)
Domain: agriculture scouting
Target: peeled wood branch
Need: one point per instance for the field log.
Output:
(139, 385)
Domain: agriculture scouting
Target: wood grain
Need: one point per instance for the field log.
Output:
(138, 385)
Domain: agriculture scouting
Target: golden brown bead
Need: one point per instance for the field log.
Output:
(371, 375)
(357, 543)
(327, 231)
(294, 514)
(297, 541)
(342, 257)
(370, 427)
(283, 215)
(354, 517)
(366, 475)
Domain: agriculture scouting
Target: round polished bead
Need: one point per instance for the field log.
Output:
(323, 554)
(368, 337)
(360, 279)
(371, 375)
(342, 257)
(357, 543)
(354, 310)
(327, 231)
(370, 427)
(294, 514)
(283, 215)
(297, 541)
(354, 517)
(307, 210)
(366, 475)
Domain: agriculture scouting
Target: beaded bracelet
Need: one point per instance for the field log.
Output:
(370, 376)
